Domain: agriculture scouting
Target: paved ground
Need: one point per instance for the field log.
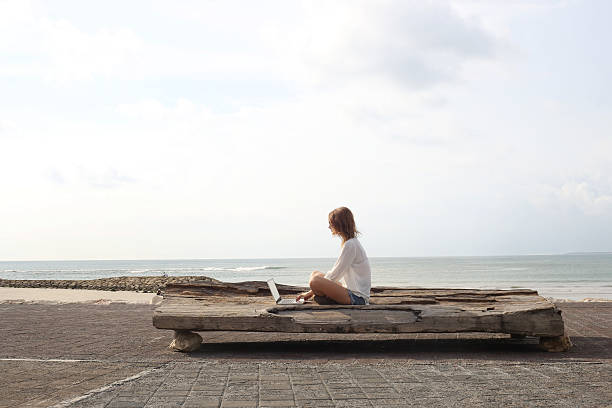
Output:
(111, 356)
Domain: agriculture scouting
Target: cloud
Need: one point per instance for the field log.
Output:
(75, 55)
(56, 50)
(55, 176)
(591, 197)
(407, 111)
(411, 44)
(416, 44)
(76, 176)
(8, 128)
(106, 179)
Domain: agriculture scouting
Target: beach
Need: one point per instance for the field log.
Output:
(50, 295)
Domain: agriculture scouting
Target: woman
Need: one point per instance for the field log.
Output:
(352, 266)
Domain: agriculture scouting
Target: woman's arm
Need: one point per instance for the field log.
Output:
(347, 255)
(305, 295)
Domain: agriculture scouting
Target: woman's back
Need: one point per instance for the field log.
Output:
(353, 267)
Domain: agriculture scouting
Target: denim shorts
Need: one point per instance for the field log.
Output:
(355, 299)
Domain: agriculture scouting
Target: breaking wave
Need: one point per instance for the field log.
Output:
(209, 269)
(241, 268)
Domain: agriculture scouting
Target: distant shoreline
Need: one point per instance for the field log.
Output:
(147, 284)
(587, 253)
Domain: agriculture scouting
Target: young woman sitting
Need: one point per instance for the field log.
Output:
(352, 266)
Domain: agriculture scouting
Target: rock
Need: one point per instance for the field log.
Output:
(130, 283)
(556, 344)
(185, 341)
(156, 300)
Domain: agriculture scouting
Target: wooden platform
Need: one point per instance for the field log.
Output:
(248, 306)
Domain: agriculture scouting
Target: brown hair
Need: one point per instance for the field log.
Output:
(342, 223)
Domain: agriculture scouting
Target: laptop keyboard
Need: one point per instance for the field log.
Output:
(288, 302)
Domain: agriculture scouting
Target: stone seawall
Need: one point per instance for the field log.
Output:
(151, 284)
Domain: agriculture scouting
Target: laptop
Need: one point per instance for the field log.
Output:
(277, 297)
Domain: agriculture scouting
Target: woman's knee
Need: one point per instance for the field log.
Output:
(315, 280)
(315, 274)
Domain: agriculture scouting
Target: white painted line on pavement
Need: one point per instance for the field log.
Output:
(52, 360)
(88, 394)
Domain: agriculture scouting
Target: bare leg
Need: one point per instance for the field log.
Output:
(322, 286)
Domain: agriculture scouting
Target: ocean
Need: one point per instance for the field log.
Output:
(571, 276)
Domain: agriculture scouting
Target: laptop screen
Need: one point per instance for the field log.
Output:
(273, 289)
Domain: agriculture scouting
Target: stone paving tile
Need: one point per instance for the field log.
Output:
(40, 384)
(575, 384)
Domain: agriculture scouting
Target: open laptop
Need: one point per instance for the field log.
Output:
(277, 297)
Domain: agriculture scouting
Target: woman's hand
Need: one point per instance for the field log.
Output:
(305, 295)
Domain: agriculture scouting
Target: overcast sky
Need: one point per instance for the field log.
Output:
(228, 129)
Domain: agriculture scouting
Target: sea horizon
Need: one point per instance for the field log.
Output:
(573, 276)
(309, 257)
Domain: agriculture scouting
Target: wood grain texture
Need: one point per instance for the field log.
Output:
(248, 306)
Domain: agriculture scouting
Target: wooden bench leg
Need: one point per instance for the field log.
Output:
(185, 341)
(556, 344)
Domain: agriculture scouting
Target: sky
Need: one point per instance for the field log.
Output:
(230, 129)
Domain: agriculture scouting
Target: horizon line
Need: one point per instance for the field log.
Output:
(309, 257)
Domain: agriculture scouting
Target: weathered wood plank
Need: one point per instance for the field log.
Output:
(257, 288)
(248, 306)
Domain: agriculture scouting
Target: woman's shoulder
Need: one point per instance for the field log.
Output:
(352, 241)
(355, 243)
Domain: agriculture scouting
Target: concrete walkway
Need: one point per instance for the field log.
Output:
(84, 355)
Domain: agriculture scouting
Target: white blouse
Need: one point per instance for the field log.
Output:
(353, 267)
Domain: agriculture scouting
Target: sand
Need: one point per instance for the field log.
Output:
(40, 295)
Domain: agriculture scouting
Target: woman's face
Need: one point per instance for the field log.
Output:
(331, 228)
